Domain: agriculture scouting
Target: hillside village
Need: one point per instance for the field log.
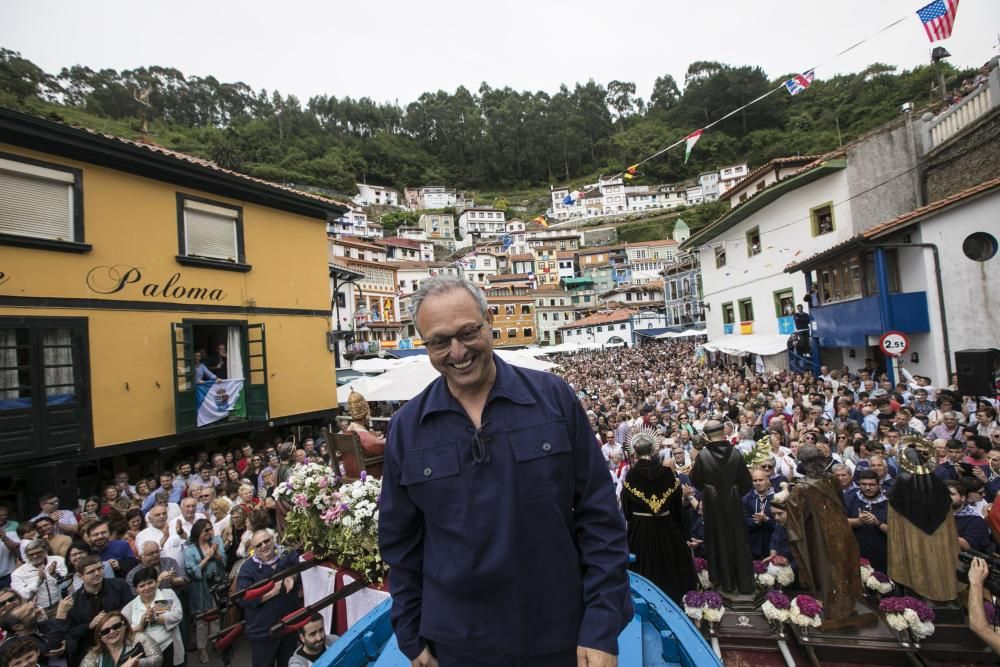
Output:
(559, 279)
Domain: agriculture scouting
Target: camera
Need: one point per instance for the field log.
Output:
(218, 586)
(136, 651)
(992, 582)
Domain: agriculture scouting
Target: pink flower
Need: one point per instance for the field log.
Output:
(700, 564)
(301, 500)
(322, 483)
(759, 567)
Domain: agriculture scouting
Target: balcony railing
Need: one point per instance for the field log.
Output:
(940, 128)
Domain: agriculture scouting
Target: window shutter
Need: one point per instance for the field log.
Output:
(210, 231)
(36, 202)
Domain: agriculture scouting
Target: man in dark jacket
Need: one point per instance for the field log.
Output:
(264, 611)
(91, 603)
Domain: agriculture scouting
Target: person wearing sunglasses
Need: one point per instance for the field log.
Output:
(263, 612)
(114, 639)
(493, 483)
(98, 597)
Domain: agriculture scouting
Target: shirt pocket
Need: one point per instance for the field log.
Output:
(432, 478)
(543, 461)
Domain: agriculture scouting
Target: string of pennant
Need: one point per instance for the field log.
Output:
(937, 18)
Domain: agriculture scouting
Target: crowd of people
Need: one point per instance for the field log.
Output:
(136, 575)
(856, 417)
(127, 576)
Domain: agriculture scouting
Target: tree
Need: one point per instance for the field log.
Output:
(665, 93)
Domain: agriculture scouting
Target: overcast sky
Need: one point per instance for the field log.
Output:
(394, 50)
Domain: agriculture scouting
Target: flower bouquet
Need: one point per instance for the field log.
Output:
(908, 615)
(335, 521)
(866, 569)
(782, 570)
(806, 612)
(762, 574)
(776, 610)
(692, 606)
(879, 582)
(701, 569)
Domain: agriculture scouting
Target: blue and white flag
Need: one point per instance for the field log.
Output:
(218, 400)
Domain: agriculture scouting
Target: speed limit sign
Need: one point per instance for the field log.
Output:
(894, 343)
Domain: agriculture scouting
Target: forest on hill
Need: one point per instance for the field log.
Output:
(490, 139)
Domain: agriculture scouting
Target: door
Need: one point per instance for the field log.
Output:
(256, 373)
(185, 401)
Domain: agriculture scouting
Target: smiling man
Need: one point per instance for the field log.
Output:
(498, 516)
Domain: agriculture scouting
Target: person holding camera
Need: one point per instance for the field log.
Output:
(205, 564)
(116, 644)
(264, 611)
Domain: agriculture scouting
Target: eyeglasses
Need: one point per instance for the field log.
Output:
(767, 465)
(466, 336)
(263, 544)
(9, 600)
(115, 627)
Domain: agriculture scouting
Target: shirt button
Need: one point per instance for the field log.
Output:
(427, 471)
(546, 446)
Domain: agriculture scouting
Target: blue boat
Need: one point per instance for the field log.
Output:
(659, 635)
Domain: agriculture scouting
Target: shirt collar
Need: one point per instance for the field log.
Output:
(509, 383)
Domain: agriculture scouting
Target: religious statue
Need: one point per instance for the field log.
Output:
(821, 539)
(651, 500)
(923, 541)
(357, 407)
(721, 475)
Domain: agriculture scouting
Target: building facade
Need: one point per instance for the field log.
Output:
(118, 261)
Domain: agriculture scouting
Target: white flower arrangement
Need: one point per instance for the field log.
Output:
(334, 520)
(883, 587)
(784, 575)
(713, 615)
(772, 613)
(704, 581)
(806, 611)
(766, 579)
(896, 622)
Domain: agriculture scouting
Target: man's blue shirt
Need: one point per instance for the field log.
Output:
(514, 545)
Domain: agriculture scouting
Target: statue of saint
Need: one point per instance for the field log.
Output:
(821, 539)
(923, 541)
(722, 476)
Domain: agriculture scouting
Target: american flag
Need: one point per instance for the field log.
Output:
(800, 82)
(938, 18)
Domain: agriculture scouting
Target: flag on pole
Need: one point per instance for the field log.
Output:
(218, 400)
(689, 142)
(800, 82)
(541, 221)
(571, 197)
(938, 18)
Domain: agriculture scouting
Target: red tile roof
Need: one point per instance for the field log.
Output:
(619, 315)
(526, 257)
(508, 277)
(412, 244)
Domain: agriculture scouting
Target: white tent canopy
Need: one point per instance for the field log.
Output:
(682, 334)
(406, 380)
(737, 345)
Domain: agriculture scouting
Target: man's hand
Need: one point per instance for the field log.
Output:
(591, 657)
(425, 659)
(114, 564)
(978, 571)
(166, 575)
(289, 584)
(57, 652)
(62, 611)
(97, 620)
(180, 530)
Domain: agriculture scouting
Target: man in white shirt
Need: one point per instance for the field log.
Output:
(181, 526)
(157, 530)
(915, 382)
(40, 576)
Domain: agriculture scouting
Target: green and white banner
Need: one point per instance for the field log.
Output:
(218, 400)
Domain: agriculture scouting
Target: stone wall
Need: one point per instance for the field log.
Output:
(969, 158)
(882, 177)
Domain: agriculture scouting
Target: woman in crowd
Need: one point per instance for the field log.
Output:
(157, 613)
(114, 639)
(91, 507)
(219, 509)
(136, 523)
(205, 564)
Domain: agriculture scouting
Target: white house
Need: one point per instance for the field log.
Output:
(693, 194)
(941, 265)
(613, 198)
(730, 175)
(763, 176)
(480, 223)
(709, 182)
(371, 195)
(479, 265)
(515, 229)
(430, 197)
(608, 328)
(672, 196)
(567, 263)
(352, 223)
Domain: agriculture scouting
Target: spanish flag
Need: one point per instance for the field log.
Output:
(541, 221)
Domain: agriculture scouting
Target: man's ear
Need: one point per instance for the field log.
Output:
(489, 317)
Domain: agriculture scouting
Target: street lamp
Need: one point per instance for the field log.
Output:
(341, 277)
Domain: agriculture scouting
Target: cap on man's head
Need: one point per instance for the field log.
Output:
(876, 393)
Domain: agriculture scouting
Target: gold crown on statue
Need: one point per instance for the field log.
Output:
(916, 455)
(637, 433)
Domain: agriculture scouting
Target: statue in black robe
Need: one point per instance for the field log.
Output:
(722, 476)
(651, 501)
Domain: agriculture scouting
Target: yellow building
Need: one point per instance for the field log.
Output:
(513, 318)
(118, 261)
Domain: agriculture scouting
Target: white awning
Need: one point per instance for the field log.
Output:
(682, 334)
(737, 345)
